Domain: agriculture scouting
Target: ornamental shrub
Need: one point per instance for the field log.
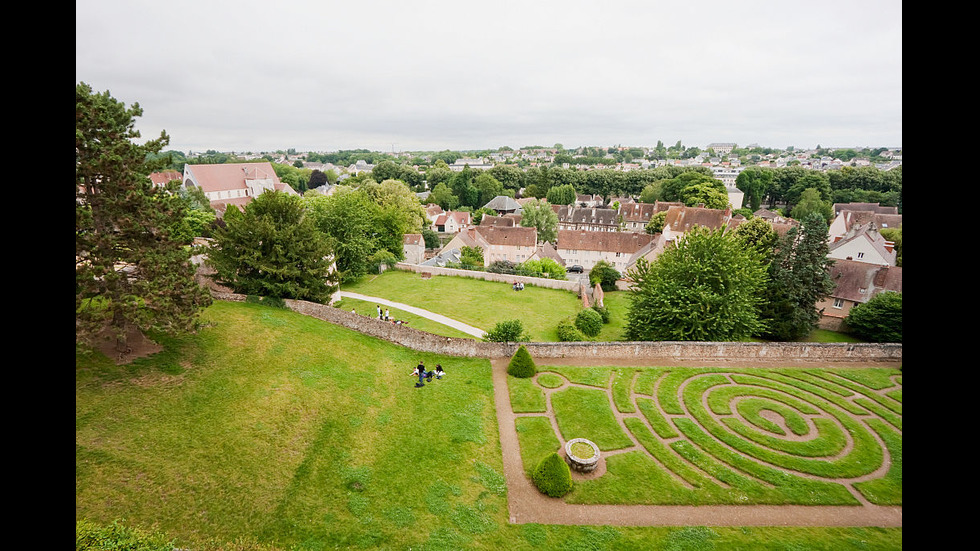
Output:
(567, 332)
(507, 331)
(522, 365)
(552, 476)
(603, 311)
(589, 322)
(879, 319)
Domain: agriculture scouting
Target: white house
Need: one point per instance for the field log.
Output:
(864, 244)
(586, 248)
(233, 183)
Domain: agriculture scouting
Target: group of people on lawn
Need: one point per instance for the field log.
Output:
(427, 375)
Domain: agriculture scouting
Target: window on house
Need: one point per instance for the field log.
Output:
(838, 303)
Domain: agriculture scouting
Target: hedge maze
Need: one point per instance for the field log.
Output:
(699, 436)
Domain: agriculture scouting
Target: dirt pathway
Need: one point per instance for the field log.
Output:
(528, 505)
(475, 331)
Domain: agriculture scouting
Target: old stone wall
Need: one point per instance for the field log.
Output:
(648, 353)
(563, 284)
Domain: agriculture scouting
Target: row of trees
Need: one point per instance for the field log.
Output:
(787, 186)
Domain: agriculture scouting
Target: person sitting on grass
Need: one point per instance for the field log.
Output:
(439, 371)
(420, 371)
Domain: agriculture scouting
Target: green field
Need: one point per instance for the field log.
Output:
(272, 430)
(484, 303)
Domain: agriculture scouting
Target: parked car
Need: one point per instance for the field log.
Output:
(576, 269)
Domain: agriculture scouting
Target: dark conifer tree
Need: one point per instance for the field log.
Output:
(132, 268)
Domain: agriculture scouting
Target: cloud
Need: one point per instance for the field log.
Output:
(471, 75)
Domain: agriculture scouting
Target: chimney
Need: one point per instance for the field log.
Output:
(879, 278)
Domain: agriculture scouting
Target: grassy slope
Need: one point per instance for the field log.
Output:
(484, 303)
(275, 428)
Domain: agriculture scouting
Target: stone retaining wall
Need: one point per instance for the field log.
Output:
(650, 353)
(563, 284)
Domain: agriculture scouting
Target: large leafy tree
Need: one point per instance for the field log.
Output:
(879, 319)
(759, 234)
(755, 183)
(706, 288)
(539, 214)
(810, 202)
(705, 193)
(798, 278)
(348, 218)
(132, 265)
(274, 249)
(564, 194)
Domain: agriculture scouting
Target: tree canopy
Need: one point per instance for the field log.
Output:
(879, 319)
(132, 261)
(798, 277)
(705, 288)
(539, 214)
(274, 249)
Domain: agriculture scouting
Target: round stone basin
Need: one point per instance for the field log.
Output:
(583, 455)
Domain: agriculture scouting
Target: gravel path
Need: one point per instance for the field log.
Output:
(475, 331)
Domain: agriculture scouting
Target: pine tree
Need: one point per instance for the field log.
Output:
(274, 250)
(799, 277)
(132, 268)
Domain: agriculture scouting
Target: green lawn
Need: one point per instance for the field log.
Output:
(474, 301)
(414, 321)
(484, 303)
(272, 430)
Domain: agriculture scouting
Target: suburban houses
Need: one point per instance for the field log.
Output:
(592, 229)
(865, 261)
(233, 184)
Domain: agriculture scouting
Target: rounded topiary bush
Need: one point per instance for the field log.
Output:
(552, 476)
(589, 322)
(603, 312)
(567, 332)
(522, 365)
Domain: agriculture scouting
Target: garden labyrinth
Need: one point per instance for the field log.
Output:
(709, 446)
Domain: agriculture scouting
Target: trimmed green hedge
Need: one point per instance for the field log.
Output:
(522, 365)
(589, 322)
(552, 476)
(567, 332)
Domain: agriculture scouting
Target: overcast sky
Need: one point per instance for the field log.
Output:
(403, 75)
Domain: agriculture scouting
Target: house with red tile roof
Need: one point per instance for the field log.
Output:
(507, 220)
(233, 184)
(452, 221)
(513, 244)
(681, 219)
(161, 179)
(586, 248)
(856, 283)
(848, 219)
